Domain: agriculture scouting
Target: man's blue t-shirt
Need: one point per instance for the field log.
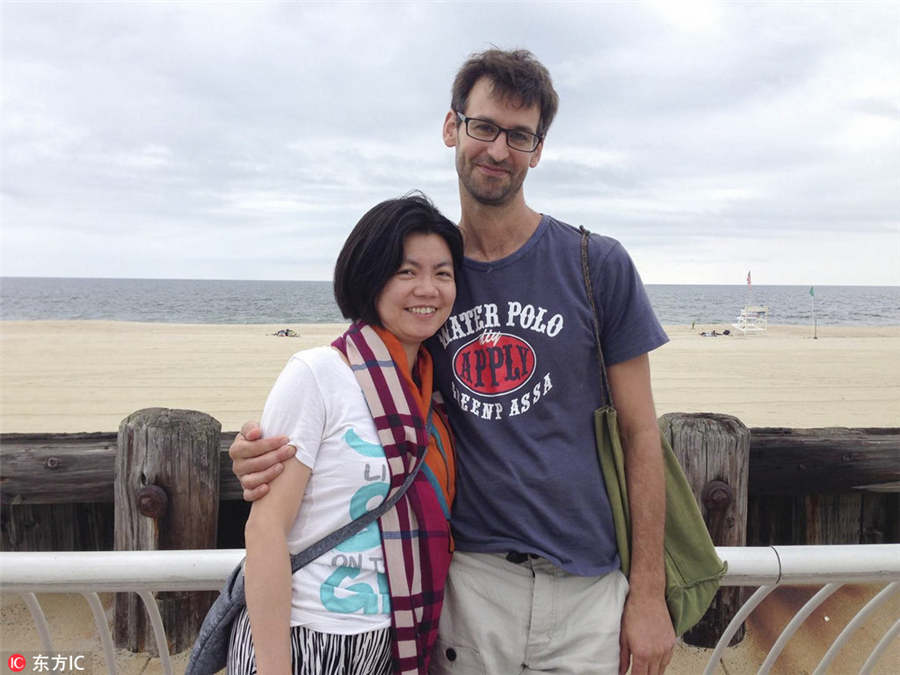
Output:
(516, 363)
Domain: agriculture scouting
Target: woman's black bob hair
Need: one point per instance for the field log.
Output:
(374, 250)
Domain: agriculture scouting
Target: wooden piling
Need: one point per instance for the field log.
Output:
(714, 451)
(166, 497)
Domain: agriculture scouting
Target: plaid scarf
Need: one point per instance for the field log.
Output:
(415, 535)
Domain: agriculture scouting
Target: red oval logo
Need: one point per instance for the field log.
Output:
(494, 364)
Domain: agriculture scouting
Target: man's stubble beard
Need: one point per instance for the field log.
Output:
(483, 194)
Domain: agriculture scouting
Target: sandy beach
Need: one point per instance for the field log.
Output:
(67, 376)
(64, 376)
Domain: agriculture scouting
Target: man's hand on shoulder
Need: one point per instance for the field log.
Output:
(257, 461)
(647, 637)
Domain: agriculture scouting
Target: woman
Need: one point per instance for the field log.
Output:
(395, 279)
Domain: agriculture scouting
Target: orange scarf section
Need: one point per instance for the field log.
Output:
(444, 472)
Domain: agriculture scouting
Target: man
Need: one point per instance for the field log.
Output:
(534, 585)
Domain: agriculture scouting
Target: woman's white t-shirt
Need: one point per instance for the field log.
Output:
(317, 403)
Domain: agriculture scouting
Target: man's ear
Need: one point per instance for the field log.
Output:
(449, 131)
(536, 155)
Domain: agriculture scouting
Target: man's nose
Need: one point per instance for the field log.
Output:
(498, 149)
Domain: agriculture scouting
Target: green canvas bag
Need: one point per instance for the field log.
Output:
(693, 568)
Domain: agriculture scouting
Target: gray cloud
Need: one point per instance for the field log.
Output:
(244, 140)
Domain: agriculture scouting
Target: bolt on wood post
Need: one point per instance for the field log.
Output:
(714, 451)
(166, 497)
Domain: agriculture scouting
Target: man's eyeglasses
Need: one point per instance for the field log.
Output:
(482, 130)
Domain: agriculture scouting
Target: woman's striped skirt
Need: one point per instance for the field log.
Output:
(314, 653)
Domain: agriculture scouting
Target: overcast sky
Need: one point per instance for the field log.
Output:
(244, 140)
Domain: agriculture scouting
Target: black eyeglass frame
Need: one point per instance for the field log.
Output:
(500, 130)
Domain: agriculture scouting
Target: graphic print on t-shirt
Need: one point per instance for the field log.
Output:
(362, 549)
(517, 366)
(494, 362)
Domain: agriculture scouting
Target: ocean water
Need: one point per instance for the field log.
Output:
(290, 302)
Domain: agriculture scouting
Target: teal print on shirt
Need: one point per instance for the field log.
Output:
(364, 448)
(359, 597)
(370, 536)
(356, 597)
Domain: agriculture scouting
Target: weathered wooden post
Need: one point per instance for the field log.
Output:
(714, 451)
(166, 497)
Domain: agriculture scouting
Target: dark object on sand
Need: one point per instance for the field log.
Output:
(286, 332)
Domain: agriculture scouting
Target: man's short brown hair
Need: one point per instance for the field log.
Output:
(517, 76)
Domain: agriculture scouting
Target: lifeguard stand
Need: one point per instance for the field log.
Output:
(752, 319)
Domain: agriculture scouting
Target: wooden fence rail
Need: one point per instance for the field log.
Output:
(75, 468)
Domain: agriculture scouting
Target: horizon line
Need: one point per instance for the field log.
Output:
(328, 281)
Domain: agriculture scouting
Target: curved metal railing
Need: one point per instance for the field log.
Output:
(147, 572)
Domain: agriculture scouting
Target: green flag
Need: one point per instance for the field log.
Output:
(812, 291)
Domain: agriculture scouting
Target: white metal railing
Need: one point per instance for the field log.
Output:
(146, 572)
(93, 572)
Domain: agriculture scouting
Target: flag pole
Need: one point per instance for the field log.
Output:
(812, 293)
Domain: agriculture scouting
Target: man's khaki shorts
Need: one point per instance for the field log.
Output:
(502, 617)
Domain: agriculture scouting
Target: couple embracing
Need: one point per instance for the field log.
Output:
(501, 557)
